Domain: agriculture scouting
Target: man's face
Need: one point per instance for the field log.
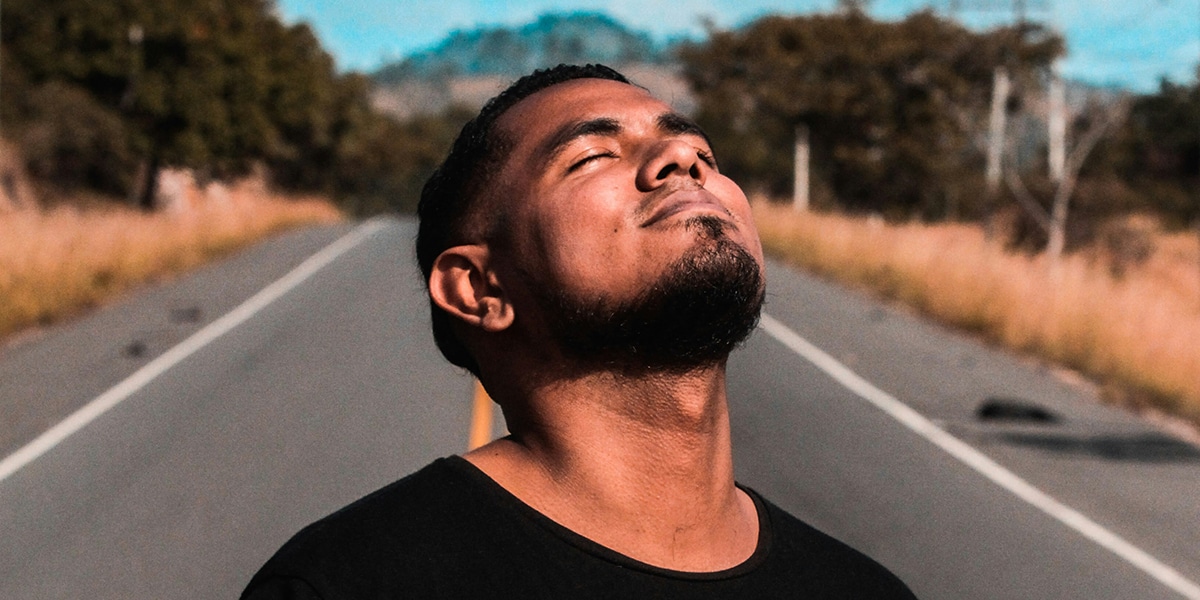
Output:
(610, 198)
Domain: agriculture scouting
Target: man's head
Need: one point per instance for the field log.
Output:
(449, 210)
(578, 212)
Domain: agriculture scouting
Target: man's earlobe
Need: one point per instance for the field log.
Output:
(463, 284)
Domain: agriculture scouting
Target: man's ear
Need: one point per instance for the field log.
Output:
(464, 284)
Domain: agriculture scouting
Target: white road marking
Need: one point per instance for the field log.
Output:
(979, 462)
(143, 376)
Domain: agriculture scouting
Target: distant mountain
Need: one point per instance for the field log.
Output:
(469, 67)
(579, 37)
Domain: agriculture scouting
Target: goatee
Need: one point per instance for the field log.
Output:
(704, 305)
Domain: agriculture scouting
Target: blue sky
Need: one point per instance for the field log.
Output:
(1131, 43)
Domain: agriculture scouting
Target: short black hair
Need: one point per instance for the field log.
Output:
(451, 194)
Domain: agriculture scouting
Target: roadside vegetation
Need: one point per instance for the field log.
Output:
(1129, 320)
(128, 122)
(57, 262)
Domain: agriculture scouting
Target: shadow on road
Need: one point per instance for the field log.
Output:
(1149, 447)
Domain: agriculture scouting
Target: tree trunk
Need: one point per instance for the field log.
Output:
(149, 184)
(1109, 118)
(1058, 216)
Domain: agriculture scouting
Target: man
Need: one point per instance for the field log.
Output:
(588, 262)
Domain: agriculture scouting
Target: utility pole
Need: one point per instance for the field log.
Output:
(1056, 123)
(1001, 84)
(800, 170)
(996, 127)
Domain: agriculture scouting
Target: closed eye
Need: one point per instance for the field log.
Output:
(707, 157)
(589, 158)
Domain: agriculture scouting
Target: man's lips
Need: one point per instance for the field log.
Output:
(693, 200)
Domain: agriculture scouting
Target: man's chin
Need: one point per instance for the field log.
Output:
(698, 311)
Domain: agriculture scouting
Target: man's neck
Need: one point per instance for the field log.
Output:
(641, 465)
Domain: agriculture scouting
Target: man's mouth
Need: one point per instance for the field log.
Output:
(689, 201)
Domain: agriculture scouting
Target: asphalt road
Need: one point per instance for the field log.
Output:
(240, 425)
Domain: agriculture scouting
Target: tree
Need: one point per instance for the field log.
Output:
(892, 108)
(1158, 150)
(311, 109)
(64, 134)
(61, 93)
(199, 96)
(215, 86)
(1096, 120)
(383, 164)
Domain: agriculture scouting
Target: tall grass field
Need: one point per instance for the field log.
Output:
(1133, 328)
(56, 262)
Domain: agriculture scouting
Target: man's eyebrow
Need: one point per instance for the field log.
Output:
(677, 124)
(575, 130)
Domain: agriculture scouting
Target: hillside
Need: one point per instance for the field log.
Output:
(468, 67)
(510, 52)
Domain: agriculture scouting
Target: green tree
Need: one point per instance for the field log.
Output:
(60, 94)
(311, 107)
(65, 135)
(198, 96)
(214, 86)
(383, 164)
(1157, 152)
(96, 93)
(893, 108)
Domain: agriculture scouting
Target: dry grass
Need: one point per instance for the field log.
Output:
(57, 262)
(1136, 333)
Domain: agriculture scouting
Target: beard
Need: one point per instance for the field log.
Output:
(702, 307)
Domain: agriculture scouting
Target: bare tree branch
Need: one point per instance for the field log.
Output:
(1111, 116)
(1025, 199)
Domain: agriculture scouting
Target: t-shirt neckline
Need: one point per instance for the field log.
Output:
(509, 500)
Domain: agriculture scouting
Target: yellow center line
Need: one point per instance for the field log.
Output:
(481, 418)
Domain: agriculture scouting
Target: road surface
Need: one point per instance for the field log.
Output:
(223, 411)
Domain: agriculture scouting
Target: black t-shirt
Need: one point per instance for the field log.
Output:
(450, 531)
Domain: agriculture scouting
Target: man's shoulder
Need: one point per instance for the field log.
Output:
(408, 505)
(390, 534)
(826, 562)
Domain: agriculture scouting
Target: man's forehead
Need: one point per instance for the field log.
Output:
(544, 121)
(575, 100)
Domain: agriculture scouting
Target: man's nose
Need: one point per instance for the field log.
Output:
(671, 158)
